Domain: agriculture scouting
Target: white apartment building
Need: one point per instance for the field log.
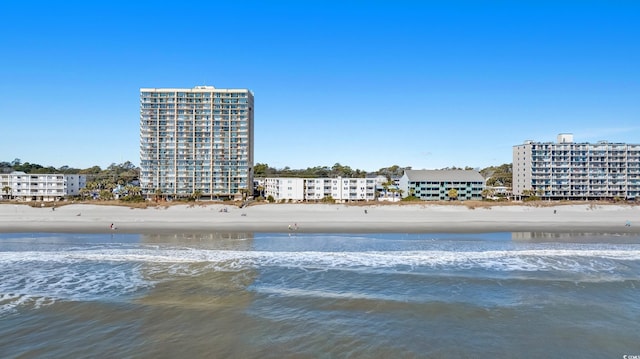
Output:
(316, 189)
(583, 171)
(284, 188)
(196, 140)
(40, 187)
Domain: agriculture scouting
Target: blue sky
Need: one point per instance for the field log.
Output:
(368, 84)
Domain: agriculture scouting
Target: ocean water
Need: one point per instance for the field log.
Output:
(266, 295)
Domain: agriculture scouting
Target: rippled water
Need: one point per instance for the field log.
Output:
(262, 295)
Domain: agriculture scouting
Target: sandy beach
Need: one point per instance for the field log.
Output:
(86, 218)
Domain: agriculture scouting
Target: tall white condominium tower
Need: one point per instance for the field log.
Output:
(196, 141)
(582, 171)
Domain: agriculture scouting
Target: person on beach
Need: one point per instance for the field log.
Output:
(113, 227)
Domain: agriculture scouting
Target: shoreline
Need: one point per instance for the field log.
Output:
(320, 218)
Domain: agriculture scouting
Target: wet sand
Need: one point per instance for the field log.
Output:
(86, 218)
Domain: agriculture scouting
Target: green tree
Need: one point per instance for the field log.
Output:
(196, 195)
(132, 193)
(91, 170)
(486, 193)
(158, 195)
(392, 171)
(6, 190)
(453, 194)
(393, 191)
(263, 170)
(385, 186)
(84, 193)
(106, 195)
(136, 190)
(341, 171)
(244, 192)
(498, 176)
(328, 199)
(260, 190)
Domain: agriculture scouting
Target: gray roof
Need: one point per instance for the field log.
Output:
(444, 176)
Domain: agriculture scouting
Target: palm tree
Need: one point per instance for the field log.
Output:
(393, 192)
(196, 194)
(6, 190)
(129, 190)
(386, 185)
(137, 191)
(91, 185)
(132, 191)
(84, 193)
(244, 193)
(486, 193)
(378, 193)
(106, 194)
(158, 195)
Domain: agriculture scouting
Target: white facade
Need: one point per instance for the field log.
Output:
(567, 170)
(74, 183)
(317, 189)
(41, 187)
(357, 189)
(284, 188)
(198, 139)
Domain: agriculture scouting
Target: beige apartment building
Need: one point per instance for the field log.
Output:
(196, 140)
(576, 171)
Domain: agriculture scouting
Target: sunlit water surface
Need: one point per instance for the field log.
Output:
(245, 295)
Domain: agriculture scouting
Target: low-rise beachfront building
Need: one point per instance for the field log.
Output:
(318, 189)
(41, 187)
(576, 171)
(354, 189)
(497, 192)
(436, 185)
(284, 188)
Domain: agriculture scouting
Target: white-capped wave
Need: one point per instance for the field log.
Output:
(546, 259)
(42, 277)
(35, 283)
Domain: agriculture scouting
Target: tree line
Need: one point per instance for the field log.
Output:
(495, 175)
(337, 170)
(125, 172)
